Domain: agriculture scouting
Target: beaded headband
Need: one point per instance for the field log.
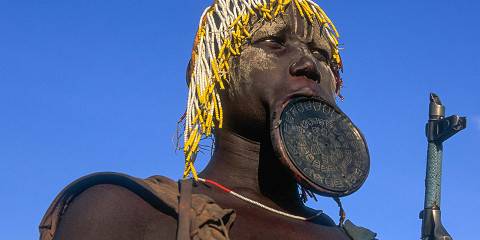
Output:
(223, 29)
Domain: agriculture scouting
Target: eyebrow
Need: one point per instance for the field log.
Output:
(319, 39)
(279, 26)
(273, 28)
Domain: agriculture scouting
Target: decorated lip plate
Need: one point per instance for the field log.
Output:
(325, 151)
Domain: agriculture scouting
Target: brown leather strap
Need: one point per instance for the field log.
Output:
(183, 229)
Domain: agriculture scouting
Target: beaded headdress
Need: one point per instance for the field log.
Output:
(224, 27)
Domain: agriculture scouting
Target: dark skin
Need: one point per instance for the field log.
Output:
(294, 62)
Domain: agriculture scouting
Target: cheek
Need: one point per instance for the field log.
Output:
(328, 79)
(253, 62)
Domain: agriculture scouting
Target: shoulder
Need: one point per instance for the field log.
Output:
(109, 211)
(113, 206)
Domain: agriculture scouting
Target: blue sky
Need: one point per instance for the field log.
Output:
(89, 86)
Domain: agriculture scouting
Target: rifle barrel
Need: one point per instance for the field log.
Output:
(438, 130)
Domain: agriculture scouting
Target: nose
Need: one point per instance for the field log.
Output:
(305, 66)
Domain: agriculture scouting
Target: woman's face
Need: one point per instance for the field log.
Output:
(286, 57)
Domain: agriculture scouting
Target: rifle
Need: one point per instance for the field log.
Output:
(438, 129)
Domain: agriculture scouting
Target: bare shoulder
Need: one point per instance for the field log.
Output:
(108, 211)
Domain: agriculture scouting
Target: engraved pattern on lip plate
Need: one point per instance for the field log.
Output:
(324, 145)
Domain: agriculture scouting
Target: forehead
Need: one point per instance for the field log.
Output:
(292, 23)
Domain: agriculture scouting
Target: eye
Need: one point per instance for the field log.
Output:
(321, 55)
(272, 42)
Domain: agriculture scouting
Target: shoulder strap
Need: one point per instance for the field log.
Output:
(184, 217)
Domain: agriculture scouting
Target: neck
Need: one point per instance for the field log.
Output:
(251, 169)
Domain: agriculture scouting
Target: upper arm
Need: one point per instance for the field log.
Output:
(107, 211)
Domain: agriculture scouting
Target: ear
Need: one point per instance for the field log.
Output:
(188, 74)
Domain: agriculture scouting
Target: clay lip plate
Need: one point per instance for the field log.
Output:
(324, 150)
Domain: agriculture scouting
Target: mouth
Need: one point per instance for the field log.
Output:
(304, 87)
(299, 86)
